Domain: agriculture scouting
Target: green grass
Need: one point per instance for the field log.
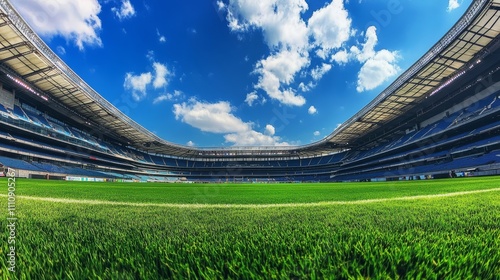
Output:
(246, 193)
(432, 238)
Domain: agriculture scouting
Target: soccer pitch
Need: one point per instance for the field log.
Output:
(408, 229)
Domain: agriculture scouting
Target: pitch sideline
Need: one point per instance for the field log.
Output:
(275, 205)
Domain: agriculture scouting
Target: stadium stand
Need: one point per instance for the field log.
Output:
(442, 114)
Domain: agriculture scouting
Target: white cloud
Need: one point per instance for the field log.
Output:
(283, 65)
(162, 97)
(279, 70)
(316, 133)
(303, 87)
(318, 72)
(76, 21)
(253, 138)
(150, 55)
(312, 110)
(452, 5)
(286, 35)
(210, 117)
(368, 50)
(330, 27)
(270, 130)
(161, 37)
(219, 118)
(190, 143)
(377, 70)
(220, 5)
(341, 57)
(161, 73)
(378, 66)
(138, 84)
(251, 97)
(125, 11)
(167, 97)
(291, 40)
(61, 50)
(279, 20)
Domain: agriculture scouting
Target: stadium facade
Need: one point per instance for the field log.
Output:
(441, 115)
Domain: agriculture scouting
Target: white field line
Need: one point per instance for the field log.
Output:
(197, 205)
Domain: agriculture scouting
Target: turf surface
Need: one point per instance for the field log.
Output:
(247, 193)
(438, 237)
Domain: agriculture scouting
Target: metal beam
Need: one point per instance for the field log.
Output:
(39, 71)
(453, 59)
(17, 56)
(403, 103)
(370, 122)
(13, 46)
(43, 78)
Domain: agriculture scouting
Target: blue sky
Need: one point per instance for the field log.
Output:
(240, 72)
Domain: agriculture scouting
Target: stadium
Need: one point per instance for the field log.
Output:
(440, 115)
(363, 202)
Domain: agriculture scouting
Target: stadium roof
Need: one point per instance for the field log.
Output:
(29, 61)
